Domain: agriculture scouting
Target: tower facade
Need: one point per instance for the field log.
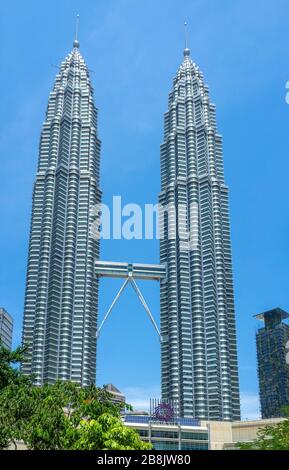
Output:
(6, 328)
(199, 355)
(273, 368)
(61, 300)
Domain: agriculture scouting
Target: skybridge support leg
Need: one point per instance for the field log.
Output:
(140, 296)
(130, 279)
(112, 305)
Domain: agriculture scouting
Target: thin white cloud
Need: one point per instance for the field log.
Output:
(139, 397)
(247, 368)
(250, 406)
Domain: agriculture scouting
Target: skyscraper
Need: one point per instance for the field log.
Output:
(199, 357)
(6, 328)
(61, 299)
(273, 370)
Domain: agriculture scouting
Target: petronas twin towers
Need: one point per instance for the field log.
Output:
(61, 299)
(199, 357)
(199, 362)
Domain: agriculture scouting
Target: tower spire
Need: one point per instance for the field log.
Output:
(76, 42)
(186, 50)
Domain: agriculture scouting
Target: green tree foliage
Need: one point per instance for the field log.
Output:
(11, 383)
(59, 416)
(17, 405)
(106, 432)
(271, 437)
(8, 359)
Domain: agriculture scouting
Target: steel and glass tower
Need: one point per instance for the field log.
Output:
(6, 328)
(273, 369)
(199, 357)
(61, 299)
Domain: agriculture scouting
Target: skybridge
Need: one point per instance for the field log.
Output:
(131, 272)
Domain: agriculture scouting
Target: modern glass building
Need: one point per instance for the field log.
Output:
(199, 356)
(61, 298)
(6, 328)
(181, 435)
(273, 370)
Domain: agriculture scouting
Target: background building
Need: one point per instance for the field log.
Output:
(242, 431)
(117, 396)
(193, 434)
(6, 328)
(273, 370)
(199, 360)
(185, 434)
(61, 300)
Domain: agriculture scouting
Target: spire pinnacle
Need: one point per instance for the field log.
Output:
(76, 43)
(186, 50)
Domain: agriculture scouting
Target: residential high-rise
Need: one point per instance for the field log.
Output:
(61, 299)
(273, 369)
(199, 355)
(6, 328)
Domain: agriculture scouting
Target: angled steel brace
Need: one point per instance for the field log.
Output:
(112, 305)
(140, 296)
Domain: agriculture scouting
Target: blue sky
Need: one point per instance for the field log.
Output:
(133, 49)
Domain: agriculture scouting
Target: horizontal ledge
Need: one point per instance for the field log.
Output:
(136, 270)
